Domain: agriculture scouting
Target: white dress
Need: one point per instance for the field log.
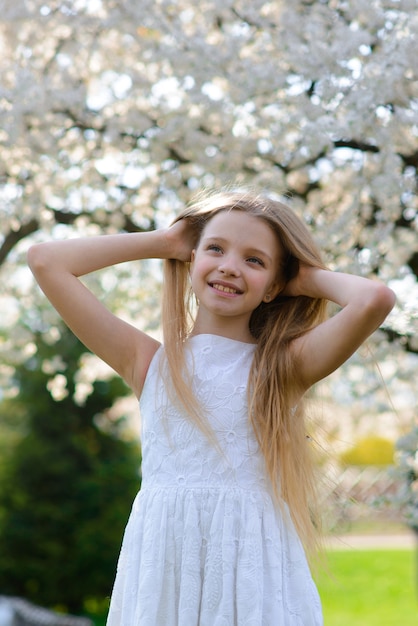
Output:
(204, 544)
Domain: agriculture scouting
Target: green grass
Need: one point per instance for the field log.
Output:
(366, 588)
(370, 588)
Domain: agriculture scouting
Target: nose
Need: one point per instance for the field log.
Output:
(229, 265)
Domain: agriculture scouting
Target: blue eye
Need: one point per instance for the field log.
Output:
(255, 260)
(214, 247)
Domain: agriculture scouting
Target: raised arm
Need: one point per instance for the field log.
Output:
(364, 306)
(57, 266)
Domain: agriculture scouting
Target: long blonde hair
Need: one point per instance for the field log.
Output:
(278, 423)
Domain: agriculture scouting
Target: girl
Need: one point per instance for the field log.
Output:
(215, 535)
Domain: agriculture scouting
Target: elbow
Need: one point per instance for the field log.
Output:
(381, 303)
(37, 258)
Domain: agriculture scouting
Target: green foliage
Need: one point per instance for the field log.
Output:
(66, 486)
(370, 451)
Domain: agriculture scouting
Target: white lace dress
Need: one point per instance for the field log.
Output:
(204, 545)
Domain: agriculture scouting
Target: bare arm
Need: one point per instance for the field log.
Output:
(364, 306)
(57, 266)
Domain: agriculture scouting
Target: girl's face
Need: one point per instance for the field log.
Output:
(234, 268)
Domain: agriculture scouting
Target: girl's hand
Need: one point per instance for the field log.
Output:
(181, 239)
(303, 277)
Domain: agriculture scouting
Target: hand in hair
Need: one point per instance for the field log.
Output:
(181, 239)
(301, 281)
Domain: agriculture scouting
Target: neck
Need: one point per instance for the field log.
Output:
(231, 329)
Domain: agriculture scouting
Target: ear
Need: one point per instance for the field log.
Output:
(273, 292)
(192, 258)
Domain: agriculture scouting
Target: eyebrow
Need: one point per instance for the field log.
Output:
(255, 251)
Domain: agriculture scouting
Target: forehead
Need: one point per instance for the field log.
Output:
(241, 226)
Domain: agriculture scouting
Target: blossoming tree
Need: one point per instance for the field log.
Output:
(113, 113)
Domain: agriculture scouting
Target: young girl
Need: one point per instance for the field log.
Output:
(215, 535)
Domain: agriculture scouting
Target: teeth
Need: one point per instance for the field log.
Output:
(225, 289)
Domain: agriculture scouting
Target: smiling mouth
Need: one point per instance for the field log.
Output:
(224, 288)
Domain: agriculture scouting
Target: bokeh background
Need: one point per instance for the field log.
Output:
(113, 114)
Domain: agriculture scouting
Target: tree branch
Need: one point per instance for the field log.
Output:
(407, 342)
(354, 144)
(13, 237)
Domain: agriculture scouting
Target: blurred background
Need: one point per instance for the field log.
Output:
(113, 114)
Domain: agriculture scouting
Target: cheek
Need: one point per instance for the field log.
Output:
(199, 263)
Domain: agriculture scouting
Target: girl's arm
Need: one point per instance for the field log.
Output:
(57, 266)
(365, 304)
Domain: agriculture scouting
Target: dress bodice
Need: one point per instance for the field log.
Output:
(175, 451)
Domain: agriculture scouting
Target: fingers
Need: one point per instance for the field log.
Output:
(183, 236)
